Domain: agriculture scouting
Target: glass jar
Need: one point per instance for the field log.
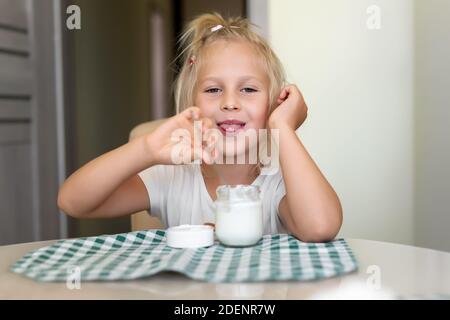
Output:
(239, 219)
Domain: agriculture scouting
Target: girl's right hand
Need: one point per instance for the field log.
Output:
(173, 141)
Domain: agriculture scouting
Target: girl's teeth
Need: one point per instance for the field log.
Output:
(231, 128)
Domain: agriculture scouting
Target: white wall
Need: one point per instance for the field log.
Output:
(433, 124)
(358, 84)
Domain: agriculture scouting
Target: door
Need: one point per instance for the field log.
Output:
(28, 122)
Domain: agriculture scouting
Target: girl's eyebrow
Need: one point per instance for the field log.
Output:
(241, 79)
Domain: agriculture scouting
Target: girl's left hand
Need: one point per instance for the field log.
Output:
(291, 109)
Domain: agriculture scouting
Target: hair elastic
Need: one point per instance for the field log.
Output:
(219, 26)
(215, 28)
(191, 60)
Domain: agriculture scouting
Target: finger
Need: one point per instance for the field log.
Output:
(280, 100)
(210, 155)
(192, 113)
(197, 154)
(206, 157)
(211, 137)
(207, 123)
(282, 97)
(182, 155)
(287, 92)
(197, 128)
(191, 121)
(294, 90)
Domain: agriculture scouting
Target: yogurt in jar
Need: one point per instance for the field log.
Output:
(238, 215)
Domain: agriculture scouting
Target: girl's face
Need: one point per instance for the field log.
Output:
(233, 89)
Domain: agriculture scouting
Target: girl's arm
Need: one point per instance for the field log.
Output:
(311, 210)
(311, 207)
(112, 175)
(109, 186)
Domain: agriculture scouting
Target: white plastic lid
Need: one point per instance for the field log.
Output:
(190, 236)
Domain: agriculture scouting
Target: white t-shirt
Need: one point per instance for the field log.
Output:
(178, 195)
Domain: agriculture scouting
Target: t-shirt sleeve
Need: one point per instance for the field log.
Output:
(155, 180)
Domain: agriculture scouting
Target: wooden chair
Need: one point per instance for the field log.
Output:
(142, 220)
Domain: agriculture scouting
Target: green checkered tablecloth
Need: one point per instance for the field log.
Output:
(144, 253)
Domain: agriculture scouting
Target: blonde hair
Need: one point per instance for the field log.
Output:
(199, 33)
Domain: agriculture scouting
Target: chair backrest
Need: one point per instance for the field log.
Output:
(146, 127)
(142, 220)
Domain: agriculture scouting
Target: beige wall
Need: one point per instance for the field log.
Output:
(358, 84)
(432, 124)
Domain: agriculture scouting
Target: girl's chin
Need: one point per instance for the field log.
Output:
(232, 149)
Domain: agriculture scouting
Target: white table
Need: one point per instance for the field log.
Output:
(404, 270)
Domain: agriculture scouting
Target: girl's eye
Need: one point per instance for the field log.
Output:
(212, 90)
(216, 90)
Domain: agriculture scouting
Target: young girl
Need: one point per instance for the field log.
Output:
(230, 81)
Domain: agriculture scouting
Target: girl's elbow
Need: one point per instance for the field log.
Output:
(61, 201)
(316, 236)
(323, 232)
(65, 206)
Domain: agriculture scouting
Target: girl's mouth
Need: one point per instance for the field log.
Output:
(231, 127)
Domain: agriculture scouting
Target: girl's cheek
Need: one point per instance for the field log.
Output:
(260, 121)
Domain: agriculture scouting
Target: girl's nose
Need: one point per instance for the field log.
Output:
(229, 107)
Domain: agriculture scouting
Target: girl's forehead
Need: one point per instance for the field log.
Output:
(231, 57)
(229, 44)
(230, 50)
